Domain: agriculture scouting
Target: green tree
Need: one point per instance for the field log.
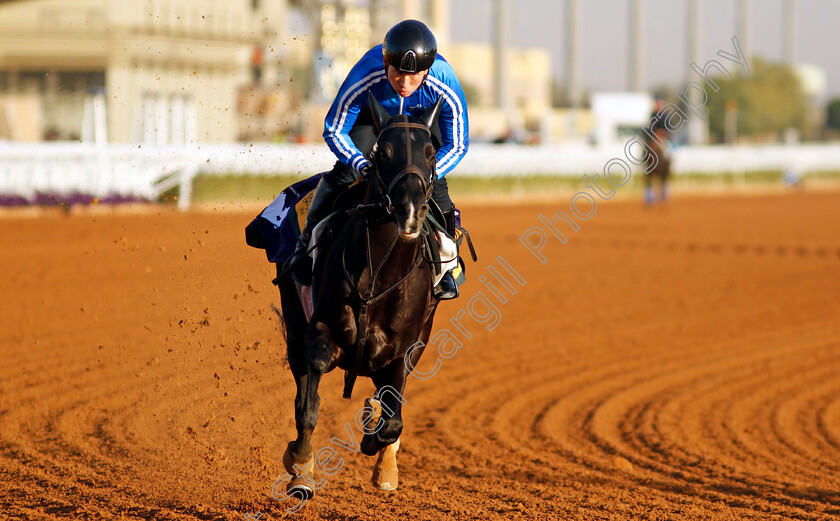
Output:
(768, 101)
(832, 114)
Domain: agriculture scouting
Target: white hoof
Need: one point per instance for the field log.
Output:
(385, 473)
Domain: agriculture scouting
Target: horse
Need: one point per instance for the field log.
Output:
(372, 299)
(660, 148)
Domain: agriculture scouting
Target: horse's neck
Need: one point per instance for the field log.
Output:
(400, 257)
(381, 237)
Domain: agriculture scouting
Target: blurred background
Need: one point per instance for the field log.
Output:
(135, 100)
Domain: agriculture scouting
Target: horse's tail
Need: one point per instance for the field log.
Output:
(282, 323)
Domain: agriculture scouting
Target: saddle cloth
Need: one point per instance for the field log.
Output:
(277, 228)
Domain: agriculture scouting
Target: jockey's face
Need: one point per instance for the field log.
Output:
(405, 83)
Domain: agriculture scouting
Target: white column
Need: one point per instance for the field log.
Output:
(120, 92)
(161, 130)
(790, 31)
(501, 41)
(572, 47)
(744, 27)
(637, 70)
(573, 91)
(440, 22)
(177, 118)
(697, 128)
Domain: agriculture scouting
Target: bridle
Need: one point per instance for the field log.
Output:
(409, 169)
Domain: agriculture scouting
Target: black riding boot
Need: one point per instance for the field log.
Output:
(322, 203)
(447, 289)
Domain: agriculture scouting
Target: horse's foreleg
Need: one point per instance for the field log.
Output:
(385, 472)
(390, 385)
(295, 459)
(384, 424)
(298, 459)
(312, 365)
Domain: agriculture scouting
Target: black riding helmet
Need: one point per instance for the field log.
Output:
(410, 47)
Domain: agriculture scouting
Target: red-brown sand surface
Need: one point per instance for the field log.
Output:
(679, 362)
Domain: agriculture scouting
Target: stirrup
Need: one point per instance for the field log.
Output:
(446, 289)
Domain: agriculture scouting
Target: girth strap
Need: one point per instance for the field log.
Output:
(351, 374)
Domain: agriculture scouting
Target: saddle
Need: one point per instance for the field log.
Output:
(276, 229)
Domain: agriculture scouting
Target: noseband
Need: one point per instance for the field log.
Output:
(410, 167)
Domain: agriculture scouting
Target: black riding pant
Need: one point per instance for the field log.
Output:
(364, 136)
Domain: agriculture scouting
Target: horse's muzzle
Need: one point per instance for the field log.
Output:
(409, 227)
(409, 236)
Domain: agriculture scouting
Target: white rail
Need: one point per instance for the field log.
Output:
(113, 171)
(142, 172)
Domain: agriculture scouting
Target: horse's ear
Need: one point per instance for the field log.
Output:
(431, 154)
(380, 115)
(430, 116)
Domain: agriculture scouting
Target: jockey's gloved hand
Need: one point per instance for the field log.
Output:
(365, 170)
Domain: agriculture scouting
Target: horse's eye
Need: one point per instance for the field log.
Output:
(386, 152)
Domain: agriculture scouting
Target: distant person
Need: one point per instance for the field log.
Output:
(792, 177)
(661, 146)
(406, 75)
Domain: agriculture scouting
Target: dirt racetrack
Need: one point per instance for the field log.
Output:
(679, 362)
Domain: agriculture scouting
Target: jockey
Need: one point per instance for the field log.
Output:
(406, 75)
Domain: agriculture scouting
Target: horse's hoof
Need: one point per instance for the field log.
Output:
(385, 473)
(300, 488)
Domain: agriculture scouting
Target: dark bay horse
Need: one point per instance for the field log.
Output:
(659, 146)
(373, 298)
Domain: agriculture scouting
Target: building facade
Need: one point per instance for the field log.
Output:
(167, 71)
